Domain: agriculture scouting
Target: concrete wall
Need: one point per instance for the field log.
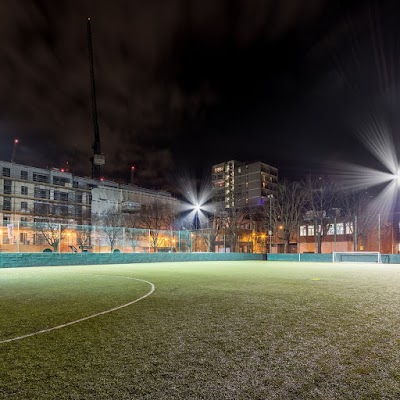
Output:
(12, 260)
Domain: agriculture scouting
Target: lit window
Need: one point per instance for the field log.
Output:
(310, 230)
(349, 227)
(303, 230)
(331, 229)
(340, 228)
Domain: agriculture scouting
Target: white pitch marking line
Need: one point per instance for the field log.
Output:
(90, 316)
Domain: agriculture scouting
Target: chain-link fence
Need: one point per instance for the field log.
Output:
(378, 233)
(64, 238)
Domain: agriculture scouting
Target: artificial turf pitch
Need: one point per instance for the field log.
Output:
(210, 330)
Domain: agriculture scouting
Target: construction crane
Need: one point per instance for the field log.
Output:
(16, 141)
(98, 158)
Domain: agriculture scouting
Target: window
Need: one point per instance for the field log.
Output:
(331, 229)
(61, 196)
(42, 193)
(38, 238)
(24, 175)
(349, 228)
(24, 190)
(303, 230)
(60, 181)
(60, 210)
(75, 184)
(7, 204)
(23, 238)
(6, 171)
(78, 211)
(310, 230)
(24, 206)
(340, 228)
(41, 208)
(7, 187)
(40, 177)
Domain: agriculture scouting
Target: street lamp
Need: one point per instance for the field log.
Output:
(270, 197)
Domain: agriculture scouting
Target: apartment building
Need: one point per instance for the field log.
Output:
(237, 184)
(30, 194)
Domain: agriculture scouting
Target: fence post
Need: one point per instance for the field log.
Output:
(355, 241)
(93, 241)
(379, 233)
(18, 237)
(224, 240)
(334, 233)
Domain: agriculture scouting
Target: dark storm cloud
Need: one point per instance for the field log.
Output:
(176, 80)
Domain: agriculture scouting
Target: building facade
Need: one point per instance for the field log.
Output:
(236, 184)
(30, 194)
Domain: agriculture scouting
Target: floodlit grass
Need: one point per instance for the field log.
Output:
(211, 330)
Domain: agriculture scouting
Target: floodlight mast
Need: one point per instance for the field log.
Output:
(98, 158)
(197, 208)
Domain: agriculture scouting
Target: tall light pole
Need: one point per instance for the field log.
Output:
(196, 216)
(270, 197)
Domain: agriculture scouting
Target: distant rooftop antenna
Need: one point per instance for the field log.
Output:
(16, 141)
(98, 158)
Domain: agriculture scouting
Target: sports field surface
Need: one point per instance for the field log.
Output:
(201, 330)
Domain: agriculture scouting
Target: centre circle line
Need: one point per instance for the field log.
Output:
(90, 316)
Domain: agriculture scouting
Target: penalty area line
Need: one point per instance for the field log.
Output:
(88, 317)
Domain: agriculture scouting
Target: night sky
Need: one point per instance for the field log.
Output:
(182, 85)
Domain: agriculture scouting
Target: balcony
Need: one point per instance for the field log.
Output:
(130, 206)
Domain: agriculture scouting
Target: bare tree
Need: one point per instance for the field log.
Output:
(321, 197)
(134, 236)
(235, 218)
(354, 205)
(52, 231)
(288, 207)
(111, 223)
(157, 216)
(83, 236)
(218, 222)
